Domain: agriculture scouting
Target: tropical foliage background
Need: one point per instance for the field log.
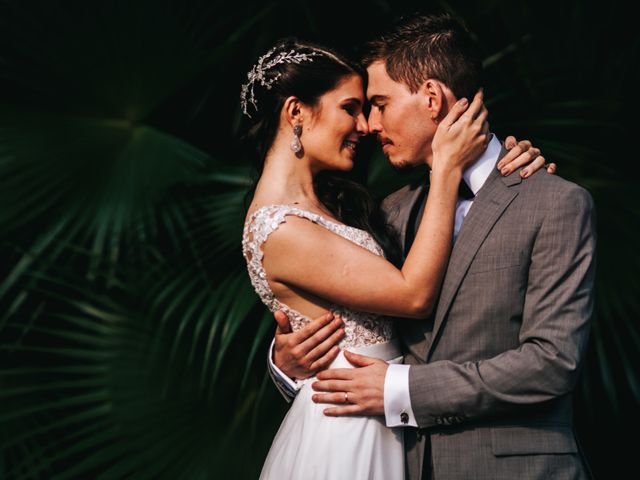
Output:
(131, 343)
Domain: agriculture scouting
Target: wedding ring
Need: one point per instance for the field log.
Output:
(346, 397)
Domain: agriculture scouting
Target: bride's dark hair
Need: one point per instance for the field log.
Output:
(348, 200)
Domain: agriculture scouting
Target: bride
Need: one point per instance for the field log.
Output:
(315, 242)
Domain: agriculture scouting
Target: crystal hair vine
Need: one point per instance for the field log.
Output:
(259, 74)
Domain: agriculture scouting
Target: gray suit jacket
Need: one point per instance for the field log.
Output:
(492, 372)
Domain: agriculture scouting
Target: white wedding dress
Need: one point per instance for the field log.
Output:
(310, 445)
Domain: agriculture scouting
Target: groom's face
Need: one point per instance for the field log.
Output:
(399, 118)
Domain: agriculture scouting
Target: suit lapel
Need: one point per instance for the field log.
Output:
(489, 204)
(405, 211)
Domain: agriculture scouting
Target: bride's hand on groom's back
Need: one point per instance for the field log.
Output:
(523, 154)
(303, 353)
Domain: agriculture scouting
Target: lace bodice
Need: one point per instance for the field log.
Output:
(361, 328)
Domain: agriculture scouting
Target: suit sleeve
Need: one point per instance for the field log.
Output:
(287, 387)
(553, 336)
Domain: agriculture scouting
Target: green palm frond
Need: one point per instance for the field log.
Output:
(136, 376)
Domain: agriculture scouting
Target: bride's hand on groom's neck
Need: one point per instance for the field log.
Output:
(462, 135)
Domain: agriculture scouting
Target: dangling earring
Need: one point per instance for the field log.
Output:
(295, 144)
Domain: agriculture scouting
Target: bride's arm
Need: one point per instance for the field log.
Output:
(303, 255)
(307, 351)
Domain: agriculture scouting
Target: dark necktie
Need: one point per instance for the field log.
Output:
(464, 192)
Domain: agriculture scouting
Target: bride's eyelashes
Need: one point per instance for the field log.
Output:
(350, 109)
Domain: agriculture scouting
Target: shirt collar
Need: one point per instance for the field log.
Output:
(477, 174)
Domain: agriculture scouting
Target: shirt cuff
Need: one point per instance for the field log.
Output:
(292, 386)
(397, 400)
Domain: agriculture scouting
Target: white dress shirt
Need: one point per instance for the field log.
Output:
(397, 400)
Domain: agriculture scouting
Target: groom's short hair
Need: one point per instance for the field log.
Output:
(431, 46)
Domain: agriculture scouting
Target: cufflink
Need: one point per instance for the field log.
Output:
(404, 417)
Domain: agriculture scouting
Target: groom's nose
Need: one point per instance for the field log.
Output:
(374, 121)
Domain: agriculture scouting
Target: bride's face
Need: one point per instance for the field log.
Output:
(336, 125)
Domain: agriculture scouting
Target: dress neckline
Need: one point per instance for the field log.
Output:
(290, 205)
(274, 206)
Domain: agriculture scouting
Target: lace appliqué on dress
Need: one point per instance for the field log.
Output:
(361, 328)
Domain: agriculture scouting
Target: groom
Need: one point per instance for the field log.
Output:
(487, 382)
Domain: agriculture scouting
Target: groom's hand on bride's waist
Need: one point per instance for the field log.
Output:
(303, 353)
(354, 391)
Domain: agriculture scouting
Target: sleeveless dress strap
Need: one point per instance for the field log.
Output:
(262, 223)
(361, 328)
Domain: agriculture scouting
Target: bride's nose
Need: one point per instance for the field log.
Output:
(362, 127)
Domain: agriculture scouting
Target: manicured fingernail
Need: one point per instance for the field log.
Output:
(524, 174)
(500, 165)
(463, 102)
(314, 398)
(504, 171)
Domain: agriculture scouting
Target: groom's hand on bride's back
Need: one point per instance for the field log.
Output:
(303, 353)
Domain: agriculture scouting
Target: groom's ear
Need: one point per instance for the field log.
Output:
(439, 98)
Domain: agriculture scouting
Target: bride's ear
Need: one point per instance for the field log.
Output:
(293, 111)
